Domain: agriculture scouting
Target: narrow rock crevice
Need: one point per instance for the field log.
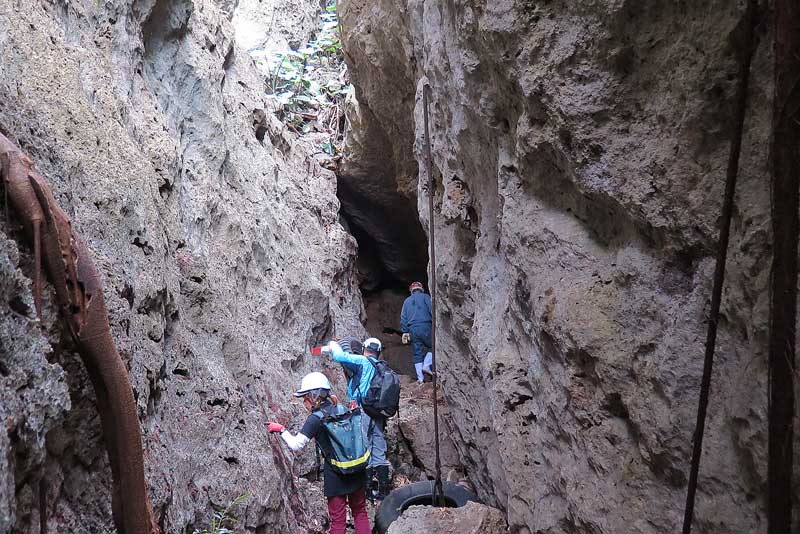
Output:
(579, 150)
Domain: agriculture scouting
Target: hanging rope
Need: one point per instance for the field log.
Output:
(722, 254)
(783, 294)
(438, 494)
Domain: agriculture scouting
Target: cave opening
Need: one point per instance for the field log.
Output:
(392, 253)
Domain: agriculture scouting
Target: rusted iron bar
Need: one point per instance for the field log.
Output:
(722, 254)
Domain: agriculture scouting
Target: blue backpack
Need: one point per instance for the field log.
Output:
(348, 452)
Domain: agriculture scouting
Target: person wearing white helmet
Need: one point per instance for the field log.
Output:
(361, 371)
(339, 489)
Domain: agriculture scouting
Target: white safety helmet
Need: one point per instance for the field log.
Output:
(373, 344)
(312, 382)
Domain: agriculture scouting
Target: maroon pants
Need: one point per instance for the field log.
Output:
(337, 510)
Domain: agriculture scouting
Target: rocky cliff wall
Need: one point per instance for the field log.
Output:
(579, 159)
(275, 25)
(217, 238)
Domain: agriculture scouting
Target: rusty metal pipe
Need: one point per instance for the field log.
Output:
(79, 294)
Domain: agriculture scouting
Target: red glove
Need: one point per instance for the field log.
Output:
(272, 426)
(317, 351)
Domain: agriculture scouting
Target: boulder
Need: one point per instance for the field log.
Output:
(473, 518)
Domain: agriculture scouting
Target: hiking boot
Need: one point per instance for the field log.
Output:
(384, 482)
(371, 486)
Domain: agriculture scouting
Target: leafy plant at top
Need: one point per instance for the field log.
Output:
(223, 519)
(310, 84)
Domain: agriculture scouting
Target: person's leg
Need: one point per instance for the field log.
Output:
(418, 367)
(381, 464)
(426, 365)
(337, 511)
(378, 443)
(384, 481)
(358, 507)
(371, 484)
(425, 333)
(418, 344)
(365, 424)
(366, 429)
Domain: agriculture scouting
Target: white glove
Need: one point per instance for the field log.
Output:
(406, 339)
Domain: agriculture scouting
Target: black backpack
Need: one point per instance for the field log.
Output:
(383, 395)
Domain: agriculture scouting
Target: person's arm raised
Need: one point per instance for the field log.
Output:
(345, 358)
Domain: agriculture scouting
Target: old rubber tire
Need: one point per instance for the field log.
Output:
(397, 501)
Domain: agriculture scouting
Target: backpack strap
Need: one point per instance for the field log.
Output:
(331, 410)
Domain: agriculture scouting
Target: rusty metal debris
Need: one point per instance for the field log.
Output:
(79, 293)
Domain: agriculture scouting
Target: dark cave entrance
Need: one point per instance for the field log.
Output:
(392, 252)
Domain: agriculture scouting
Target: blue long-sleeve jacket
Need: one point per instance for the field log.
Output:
(416, 311)
(361, 368)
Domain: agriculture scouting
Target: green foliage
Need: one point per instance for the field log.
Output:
(311, 84)
(223, 520)
(308, 78)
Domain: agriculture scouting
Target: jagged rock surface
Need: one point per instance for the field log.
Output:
(216, 235)
(411, 434)
(275, 25)
(33, 392)
(474, 518)
(579, 155)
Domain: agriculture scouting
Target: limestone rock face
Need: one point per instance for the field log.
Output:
(579, 159)
(413, 431)
(33, 392)
(473, 518)
(218, 242)
(275, 25)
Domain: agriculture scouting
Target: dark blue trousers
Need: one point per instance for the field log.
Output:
(420, 340)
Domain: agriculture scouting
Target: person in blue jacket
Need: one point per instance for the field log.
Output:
(415, 323)
(360, 371)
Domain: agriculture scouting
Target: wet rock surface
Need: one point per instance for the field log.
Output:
(578, 184)
(217, 238)
(474, 518)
